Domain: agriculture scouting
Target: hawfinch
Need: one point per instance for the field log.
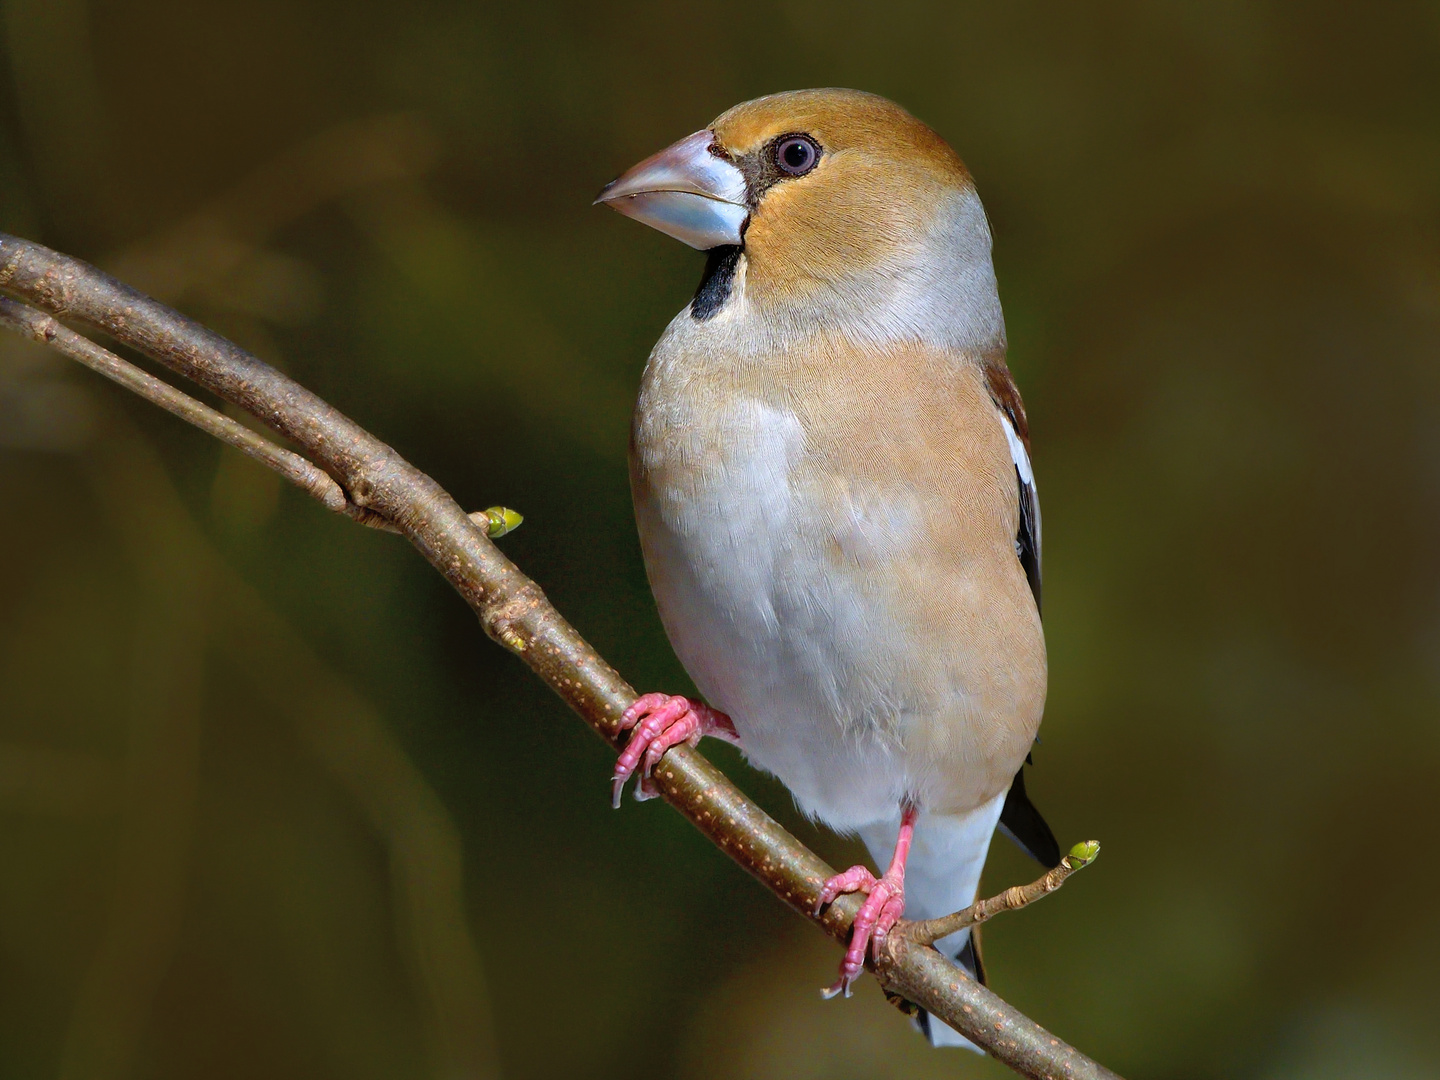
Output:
(831, 473)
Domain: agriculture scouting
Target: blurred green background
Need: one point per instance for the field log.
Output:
(271, 805)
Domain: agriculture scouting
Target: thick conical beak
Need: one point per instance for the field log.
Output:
(686, 191)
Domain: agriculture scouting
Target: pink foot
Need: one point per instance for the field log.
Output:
(883, 906)
(660, 722)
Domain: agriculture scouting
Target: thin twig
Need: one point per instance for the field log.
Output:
(46, 330)
(929, 931)
(496, 521)
(514, 611)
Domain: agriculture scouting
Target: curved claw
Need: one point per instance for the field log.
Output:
(883, 906)
(660, 722)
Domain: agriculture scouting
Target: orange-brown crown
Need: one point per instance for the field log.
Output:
(850, 122)
(883, 179)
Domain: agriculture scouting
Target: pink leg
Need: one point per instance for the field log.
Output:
(883, 905)
(660, 722)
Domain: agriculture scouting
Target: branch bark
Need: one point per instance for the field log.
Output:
(515, 613)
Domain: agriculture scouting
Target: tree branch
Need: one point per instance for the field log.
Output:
(46, 330)
(514, 612)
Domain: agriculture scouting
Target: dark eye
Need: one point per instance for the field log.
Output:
(796, 154)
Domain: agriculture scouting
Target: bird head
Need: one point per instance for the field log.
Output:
(843, 207)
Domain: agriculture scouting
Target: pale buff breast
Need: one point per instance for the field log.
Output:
(830, 538)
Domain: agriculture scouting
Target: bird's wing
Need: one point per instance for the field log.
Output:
(1019, 820)
(1017, 433)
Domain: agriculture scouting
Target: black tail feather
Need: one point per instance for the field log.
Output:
(1022, 823)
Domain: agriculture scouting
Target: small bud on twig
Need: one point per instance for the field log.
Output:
(1083, 854)
(498, 521)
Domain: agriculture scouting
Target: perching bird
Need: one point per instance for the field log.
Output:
(832, 482)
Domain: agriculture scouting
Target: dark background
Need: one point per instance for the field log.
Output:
(271, 805)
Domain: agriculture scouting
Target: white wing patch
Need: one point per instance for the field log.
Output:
(1021, 458)
(1017, 450)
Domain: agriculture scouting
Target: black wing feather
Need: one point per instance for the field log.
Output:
(1027, 539)
(1019, 820)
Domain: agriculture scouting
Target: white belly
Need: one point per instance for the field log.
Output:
(801, 657)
